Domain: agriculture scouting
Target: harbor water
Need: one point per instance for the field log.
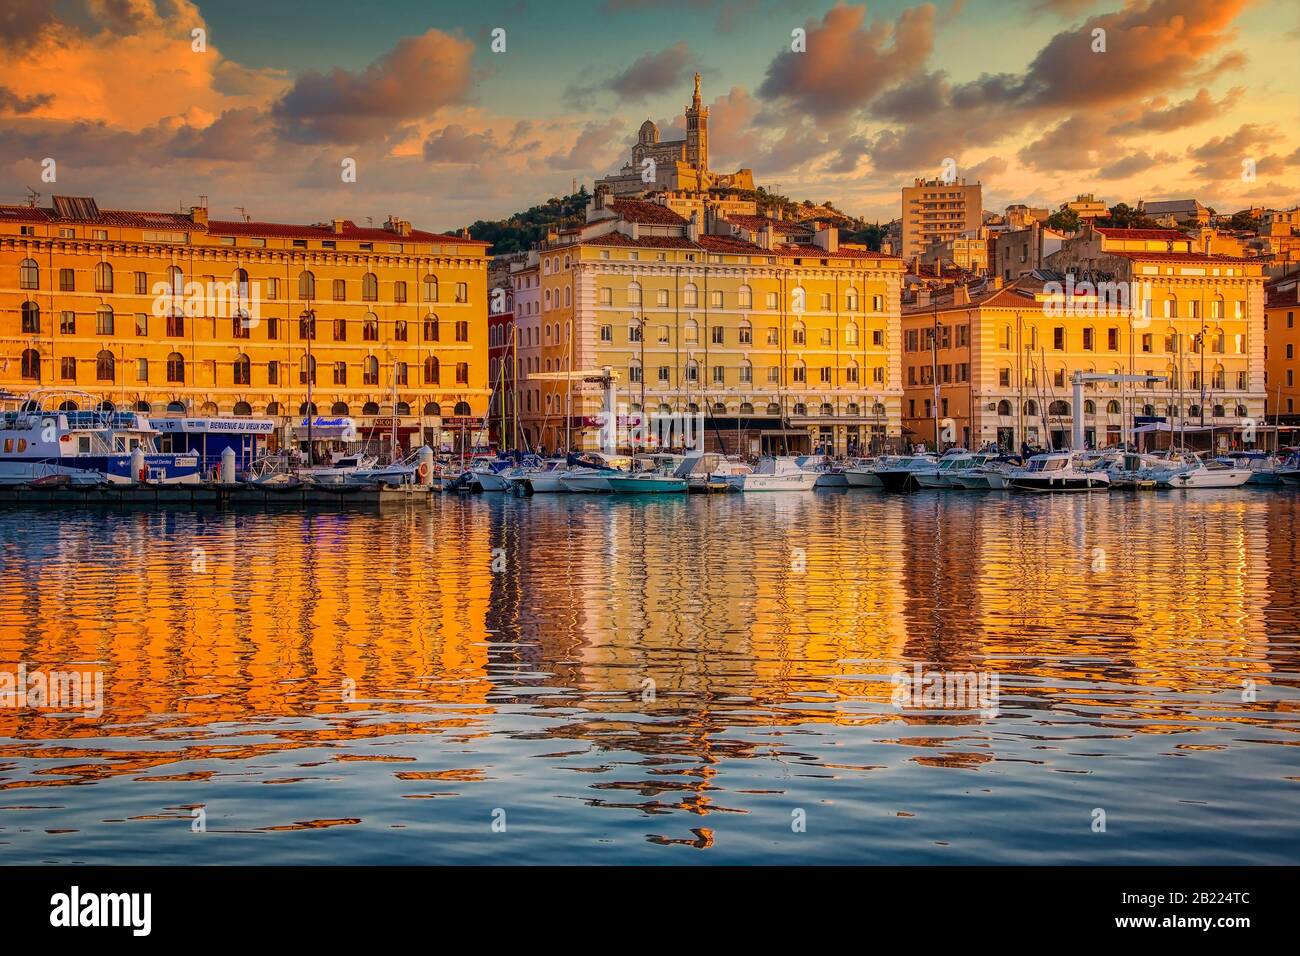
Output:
(725, 679)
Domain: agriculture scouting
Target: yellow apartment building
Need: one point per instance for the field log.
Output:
(937, 211)
(177, 314)
(1282, 365)
(780, 337)
(1111, 301)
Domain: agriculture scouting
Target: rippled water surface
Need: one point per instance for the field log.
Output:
(583, 679)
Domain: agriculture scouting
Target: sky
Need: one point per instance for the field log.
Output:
(453, 112)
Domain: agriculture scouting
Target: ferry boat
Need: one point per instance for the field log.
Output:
(51, 438)
(1058, 471)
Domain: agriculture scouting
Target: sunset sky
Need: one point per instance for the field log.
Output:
(444, 131)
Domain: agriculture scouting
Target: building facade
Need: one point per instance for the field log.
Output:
(1282, 360)
(1006, 355)
(936, 211)
(176, 314)
(775, 345)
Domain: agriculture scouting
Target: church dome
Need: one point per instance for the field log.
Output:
(649, 133)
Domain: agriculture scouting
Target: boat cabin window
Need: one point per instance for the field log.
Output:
(22, 444)
(83, 445)
(9, 445)
(119, 443)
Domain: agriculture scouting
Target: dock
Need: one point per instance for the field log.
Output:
(204, 495)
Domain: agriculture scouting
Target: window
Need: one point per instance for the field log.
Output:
(399, 291)
(340, 373)
(340, 290)
(28, 275)
(103, 277)
(800, 374)
(851, 373)
(307, 326)
(715, 298)
(719, 375)
(306, 286)
(634, 293)
(176, 368)
(307, 370)
(634, 373)
(462, 373)
(690, 296)
(141, 283)
(462, 331)
(661, 298)
(399, 373)
(746, 373)
(717, 335)
(462, 292)
(745, 297)
(746, 334)
(430, 284)
(851, 334)
(104, 320)
(240, 325)
(634, 332)
(692, 332)
(272, 328)
(1148, 342)
(773, 336)
(370, 328)
(1112, 339)
(1058, 338)
(851, 300)
(67, 323)
(272, 375)
(606, 296)
(607, 333)
(798, 335)
(664, 375)
(1087, 340)
(31, 318)
(175, 325)
(67, 280)
(68, 368)
(663, 334)
(432, 371)
(242, 371)
(370, 287)
(431, 328)
(31, 365)
(399, 330)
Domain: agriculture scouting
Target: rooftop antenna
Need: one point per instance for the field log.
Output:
(33, 197)
(243, 213)
(370, 220)
(203, 201)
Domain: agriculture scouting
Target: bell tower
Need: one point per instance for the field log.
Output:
(697, 133)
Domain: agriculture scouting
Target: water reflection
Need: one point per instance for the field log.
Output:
(608, 672)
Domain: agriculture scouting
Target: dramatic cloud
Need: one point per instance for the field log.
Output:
(847, 63)
(456, 144)
(1160, 118)
(592, 150)
(1134, 163)
(419, 76)
(11, 102)
(653, 73)
(1221, 157)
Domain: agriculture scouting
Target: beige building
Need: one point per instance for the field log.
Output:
(774, 335)
(936, 211)
(1086, 206)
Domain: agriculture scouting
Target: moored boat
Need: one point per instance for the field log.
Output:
(1058, 471)
(776, 473)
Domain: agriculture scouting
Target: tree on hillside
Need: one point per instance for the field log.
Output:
(1064, 220)
(1124, 216)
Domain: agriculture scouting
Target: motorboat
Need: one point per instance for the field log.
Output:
(1200, 473)
(51, 436)
(1264, 467)
(970, 475)
(863, 474)
(657, 475)
(339, 470)
(829, 474)
(1131, 469)
(539, 477)
(1058, 471)
(776, 473)
(900, 474)
(588, 472)
(1289, 471)
(719, 473)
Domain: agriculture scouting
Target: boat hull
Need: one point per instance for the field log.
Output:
(1073, 483)
(898, 480)
(831, 479)
(863, 479)
(804, 482)
(1194, 480)
(931, 480)
(585, 484)
(647, 486)
(490, 481)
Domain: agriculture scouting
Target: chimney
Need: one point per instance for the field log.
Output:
(338, 226)
(997, 282)
(602, 195)
(399, 226)
(827, 238)
(199, 214)
(765, 237)
(923, 295)
(960, 294)
(693, 227)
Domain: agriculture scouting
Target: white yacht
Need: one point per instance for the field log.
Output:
(1199, 473)
(1058, 471)
(589, 473)
(779, 473)
(340, 469)
(900, 474)
(970, 474)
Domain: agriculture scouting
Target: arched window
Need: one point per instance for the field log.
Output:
(851, 334)
(176, 280)
(339, 408)
(800, 409)
(1218, 411)
(274, 409)
(370, 287)
(745, 297)
(176, 408)
(103, 277)
(242, 370)
(370, 408)
(746, 408)
(432, 372)
(719, 408)
(1031, 407)
(1112, 407)
(241, 285)
(1090, 407)
(307, 370)
(370, 328)
(1058, 407)
(568, 296)
(430, 284)
(826, 409)
(690, 296)
(431, 328)
(31, 318)
(29, 275)
(307, 409)
(1004, 408)
(433, 409)
(306, 286)
(143, 406)
(31, 365)
(402, 408)
(176, 367)
(462, 408)
(798, 300)
(370, 370)
(634, 293)
(1149, 411)
(242, 410)
(773, 409)
(307, 325)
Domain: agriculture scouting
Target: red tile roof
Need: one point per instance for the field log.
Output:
(1161, 235)
(645, 242)
(106, 217)
(778, 226)
(817, 252)
(645, 213)
(1212, 259)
